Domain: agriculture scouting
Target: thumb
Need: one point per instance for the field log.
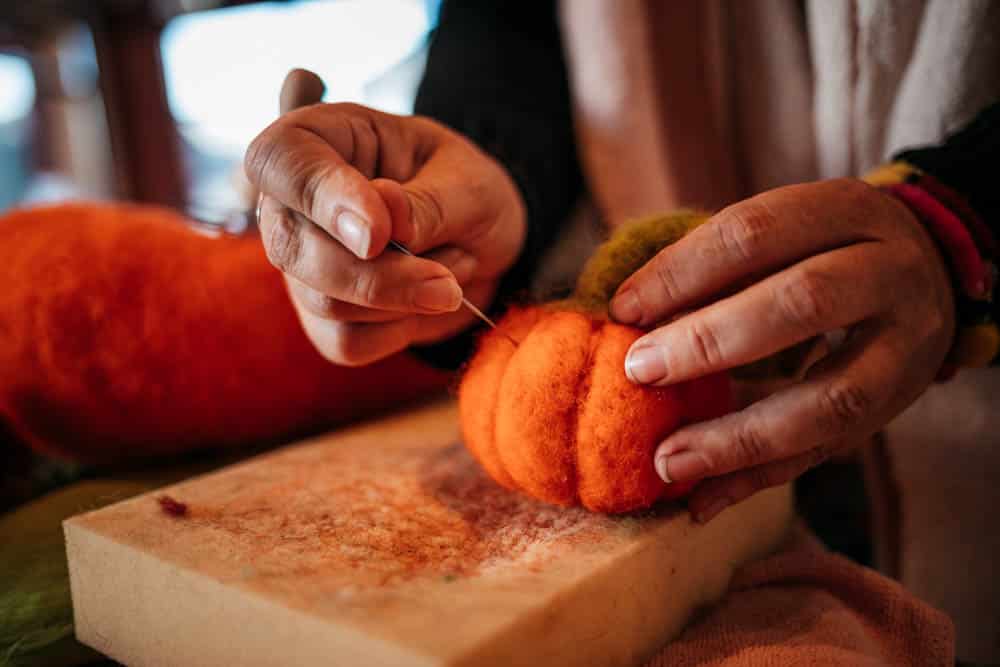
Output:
(418, 215)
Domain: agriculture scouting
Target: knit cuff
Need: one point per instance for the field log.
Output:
(969, 249)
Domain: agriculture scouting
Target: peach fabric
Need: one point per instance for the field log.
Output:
(806, 606)
(125, 333)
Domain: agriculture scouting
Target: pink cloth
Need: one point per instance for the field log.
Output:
(806, 606)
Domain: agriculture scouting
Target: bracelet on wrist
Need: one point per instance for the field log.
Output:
(969, 250)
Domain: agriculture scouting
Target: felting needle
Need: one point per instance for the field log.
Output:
(465, 302)
(406, 251)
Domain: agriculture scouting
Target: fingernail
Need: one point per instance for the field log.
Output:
(625, 307)
(353, 233)
(645, 365)
(438, 295)
(661, 468)
(713, 509)
(683, 467)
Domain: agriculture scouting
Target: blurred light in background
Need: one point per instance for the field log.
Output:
(17, 100)
(17, 89)
(223, 70)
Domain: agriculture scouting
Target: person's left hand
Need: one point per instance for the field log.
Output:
(767, 273)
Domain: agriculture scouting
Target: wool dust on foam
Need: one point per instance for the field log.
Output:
(436, 517)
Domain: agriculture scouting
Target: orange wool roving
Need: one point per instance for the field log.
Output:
(556, 417)
(125, 333)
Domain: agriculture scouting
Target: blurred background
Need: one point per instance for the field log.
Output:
(156, 100)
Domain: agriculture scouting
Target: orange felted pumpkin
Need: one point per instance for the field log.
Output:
(553, 415)
(123, 332)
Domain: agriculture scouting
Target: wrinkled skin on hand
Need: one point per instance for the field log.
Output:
(770, 272)
(341, 180)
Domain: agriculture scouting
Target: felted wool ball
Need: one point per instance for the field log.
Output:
(124, 333)
(546, 406)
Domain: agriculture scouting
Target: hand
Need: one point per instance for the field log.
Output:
(340, 180)
(772, 271)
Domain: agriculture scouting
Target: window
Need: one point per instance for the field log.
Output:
(223, 70)
(17, 101)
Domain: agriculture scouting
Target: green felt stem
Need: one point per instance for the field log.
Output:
(628, 249)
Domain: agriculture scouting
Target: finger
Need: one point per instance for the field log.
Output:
(820, 294)
(391, 281)
(760, 234)
(461, 264)
(319, 174)
(325, 307)
(845, 396)
(396, 202)
(450, 204)
(358, 344)
(714, 495)
(434, 328)
(300, 89)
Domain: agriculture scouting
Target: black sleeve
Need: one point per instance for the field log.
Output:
(496, 73)
(967, 162)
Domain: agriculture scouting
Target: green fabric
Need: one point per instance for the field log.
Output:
(629, 248)
(36, 612)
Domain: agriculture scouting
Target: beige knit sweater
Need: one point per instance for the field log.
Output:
(705, 102)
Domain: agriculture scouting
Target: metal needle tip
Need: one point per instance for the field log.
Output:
(465, 302)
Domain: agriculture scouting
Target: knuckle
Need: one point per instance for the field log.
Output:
(704, 345)
(806, 302)
(366, 146)
(273, 161)
(750, 446)
(260, 154)
(366, 289)
(743, 230)
(843, 406)
(667, 278)
(323, 306)
(308, 182)
(428, 210)
(283, 244)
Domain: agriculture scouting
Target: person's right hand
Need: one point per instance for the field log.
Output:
(341, 180)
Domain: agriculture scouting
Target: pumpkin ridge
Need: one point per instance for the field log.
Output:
(512, 458)
(583, 385)
(494, 450)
